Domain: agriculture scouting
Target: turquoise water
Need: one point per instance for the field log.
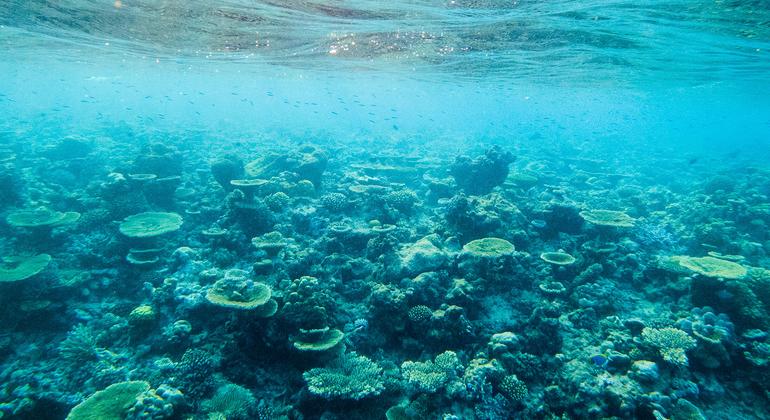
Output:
(657, 110)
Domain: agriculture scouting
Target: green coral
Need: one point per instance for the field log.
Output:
(320, 339)
(431, 376)
(352, 377)
(513, 388)
(489, 247)
(150, 224)
(41, 217)
(419, 313)
(21, 268)
(607, 218)
(111, 403)
(672, 343)
(557, 258)
(235, 291)
(712, 267)
(142, 315)
(232, 402)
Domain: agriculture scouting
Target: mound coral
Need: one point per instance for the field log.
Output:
(481, 174)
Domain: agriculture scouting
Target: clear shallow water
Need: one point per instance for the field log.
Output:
(662, 71)
(657, 108)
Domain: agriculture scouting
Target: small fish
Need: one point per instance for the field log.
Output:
(599, 360)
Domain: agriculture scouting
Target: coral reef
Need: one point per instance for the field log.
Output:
(332, 282)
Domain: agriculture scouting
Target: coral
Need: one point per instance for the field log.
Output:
(481, 174)
(111, 403)
(402, 200)
(712, 267)
(271, 243)
(251, 213)
(225, 169)
(142, 315)
(334, 202)
(158, 158)
(278, 201)
(645, 371)
(654, 235)
(248, 186)
(150, 224)
(20, 268)
(488, 248)
(232, 402)
(155, 404)
(79, 346)
(194, 372)
(557, 258)
(318, 340)
(308, 304)
(235, 290)
(419, 314)
(476, 217)
(608, 218)
(672, 343)
(478, 376)
(513, 388)
(309, 162)
(421, 256)
(430, 376)
(351, 377)
(41, 217)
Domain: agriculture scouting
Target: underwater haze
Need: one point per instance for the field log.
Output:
(358, 209)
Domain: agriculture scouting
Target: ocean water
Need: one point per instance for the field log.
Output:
(404, 210)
